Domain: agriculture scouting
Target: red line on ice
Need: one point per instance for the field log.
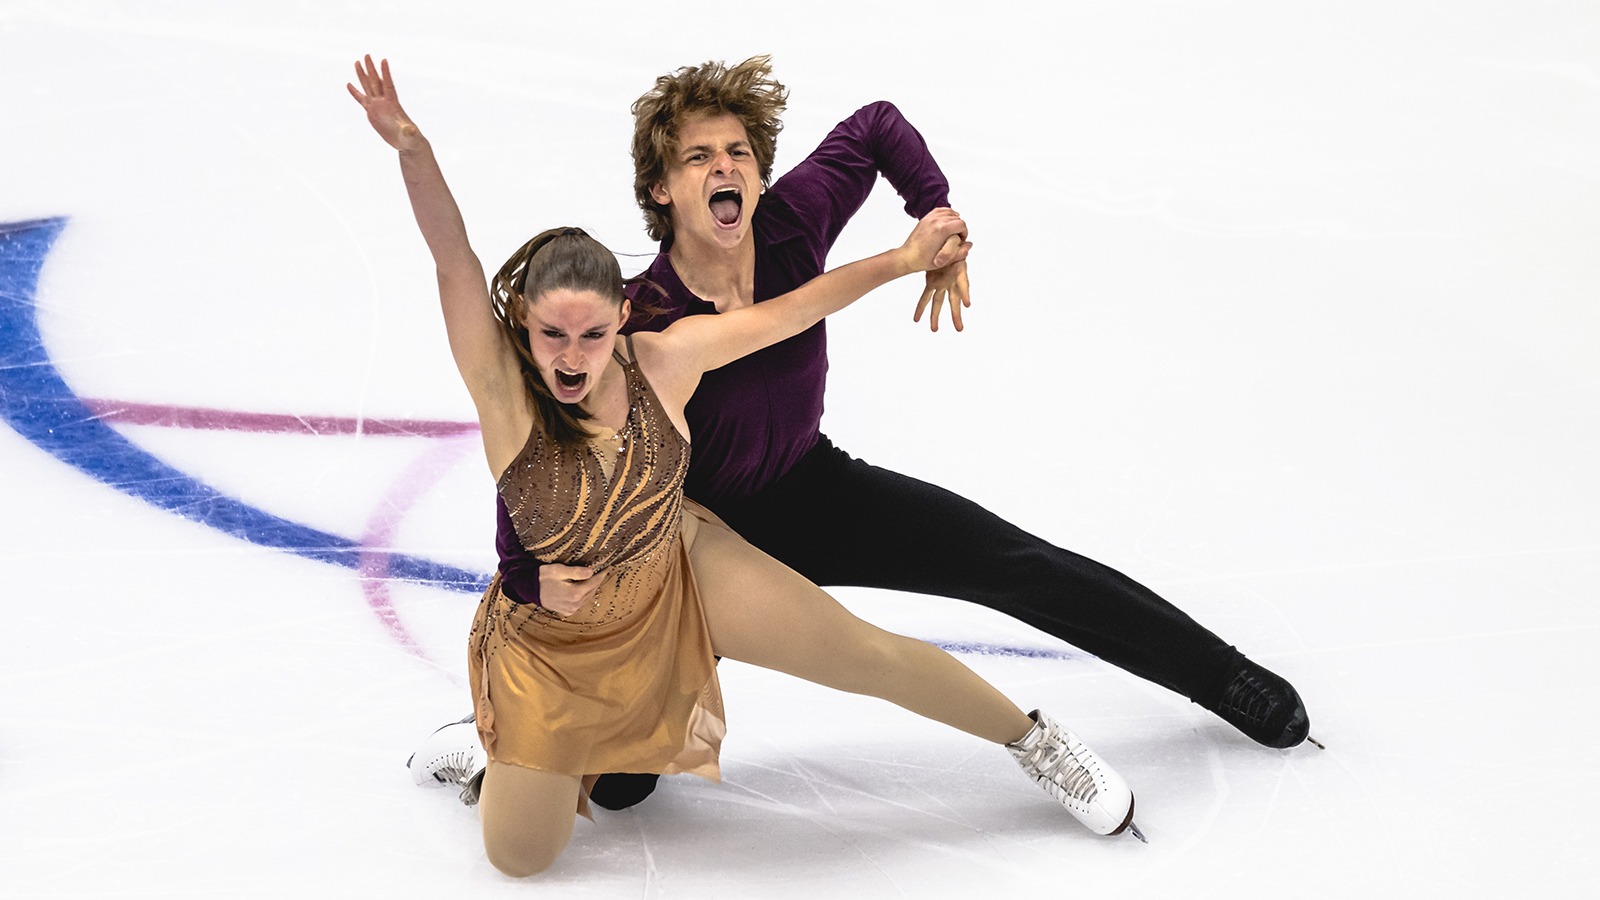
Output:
(125, 413)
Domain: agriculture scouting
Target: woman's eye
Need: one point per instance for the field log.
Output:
(551, 334)
(594, 335)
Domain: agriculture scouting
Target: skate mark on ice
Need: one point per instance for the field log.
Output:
(848, 831)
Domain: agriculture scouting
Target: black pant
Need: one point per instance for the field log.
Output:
(839, 521)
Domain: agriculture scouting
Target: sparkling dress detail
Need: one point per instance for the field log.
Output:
(627, 683)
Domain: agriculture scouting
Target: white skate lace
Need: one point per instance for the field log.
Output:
(458, 768)
(455, 768)
(1056, 766)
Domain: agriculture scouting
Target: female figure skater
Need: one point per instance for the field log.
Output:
(584, 429)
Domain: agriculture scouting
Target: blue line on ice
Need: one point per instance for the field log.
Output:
(38, 404)
(36, 401)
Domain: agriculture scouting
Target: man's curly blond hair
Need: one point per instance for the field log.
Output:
(746, 90)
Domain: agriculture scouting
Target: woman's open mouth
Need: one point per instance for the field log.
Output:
(726, 207)
(571, 382)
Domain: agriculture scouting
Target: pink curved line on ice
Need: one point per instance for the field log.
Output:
(403, 493)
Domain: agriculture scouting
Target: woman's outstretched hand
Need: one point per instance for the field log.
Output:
(378, 98)
(949, 281)
(939, 246)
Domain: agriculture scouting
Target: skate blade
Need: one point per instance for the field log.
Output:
(1134, 830)
(1127, 822)
(1316, 742)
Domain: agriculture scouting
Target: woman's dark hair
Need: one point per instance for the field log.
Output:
(561, 258)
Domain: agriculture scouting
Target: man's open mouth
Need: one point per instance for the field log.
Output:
(726, 206)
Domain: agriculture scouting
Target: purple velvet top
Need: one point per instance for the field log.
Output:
(753, 419)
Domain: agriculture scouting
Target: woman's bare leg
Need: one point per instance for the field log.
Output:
(761, 612)
(527, 817)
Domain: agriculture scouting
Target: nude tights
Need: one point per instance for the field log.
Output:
(762, 613)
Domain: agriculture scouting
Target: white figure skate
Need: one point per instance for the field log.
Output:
(452, 756)
(1079, 780)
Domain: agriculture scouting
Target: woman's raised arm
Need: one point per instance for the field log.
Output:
(487, 363)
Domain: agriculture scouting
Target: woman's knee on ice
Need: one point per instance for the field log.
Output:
(519, 856)
(527, 817)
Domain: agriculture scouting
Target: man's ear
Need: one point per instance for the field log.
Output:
(659, 194)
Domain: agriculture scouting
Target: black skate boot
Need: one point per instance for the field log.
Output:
(620, 790)
(1264, 706)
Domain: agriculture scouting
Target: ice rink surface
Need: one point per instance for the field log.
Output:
(1289, 313)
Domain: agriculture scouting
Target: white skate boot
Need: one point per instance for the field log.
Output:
(452, 756)
(1070, 772)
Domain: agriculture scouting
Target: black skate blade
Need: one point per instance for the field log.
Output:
(1316, 742)
(1134, 830)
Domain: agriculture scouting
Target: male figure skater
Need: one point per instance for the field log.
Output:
(703, 147)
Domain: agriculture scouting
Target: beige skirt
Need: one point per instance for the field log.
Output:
(637, 694)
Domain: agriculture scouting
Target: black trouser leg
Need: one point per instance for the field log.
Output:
(622, 789)
(840, 521)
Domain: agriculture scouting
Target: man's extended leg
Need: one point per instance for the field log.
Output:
(841, 521)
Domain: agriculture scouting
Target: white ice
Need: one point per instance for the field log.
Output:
(1289, 311)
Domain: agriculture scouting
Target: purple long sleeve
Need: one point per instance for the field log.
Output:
(751, 420)
(830, 185)
(519, 570)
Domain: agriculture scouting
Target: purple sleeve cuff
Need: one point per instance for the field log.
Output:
(519, 570)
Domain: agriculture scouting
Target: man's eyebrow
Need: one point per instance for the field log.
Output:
(706, 148)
